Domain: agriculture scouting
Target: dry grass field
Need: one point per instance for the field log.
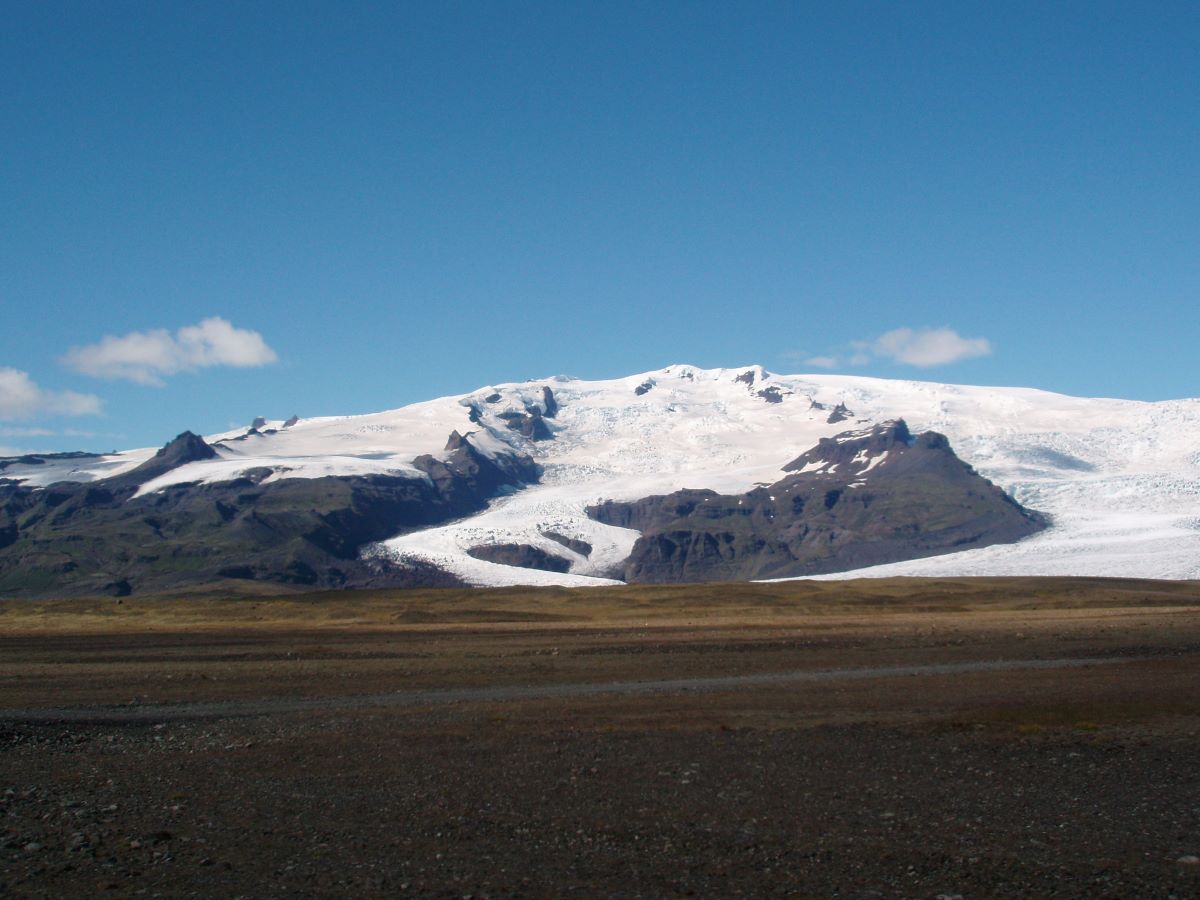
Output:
(897, 738)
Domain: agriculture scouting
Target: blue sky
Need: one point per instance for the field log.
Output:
(212, 211)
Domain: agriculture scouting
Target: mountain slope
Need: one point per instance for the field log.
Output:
(874, 496)
(1119, 480)
(111, 536)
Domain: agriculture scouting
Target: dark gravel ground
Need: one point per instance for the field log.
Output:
(1079, 781)
(479, 801)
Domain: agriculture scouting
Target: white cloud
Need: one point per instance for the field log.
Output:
(147, 356)
(911, 346)
(929, 346)
(21, 397)
(822, 362)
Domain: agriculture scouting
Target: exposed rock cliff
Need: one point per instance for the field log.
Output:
(97, 537)
(859, 499)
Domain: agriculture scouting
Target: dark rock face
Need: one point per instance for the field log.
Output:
(466, 478)
(583, 548)
(292, 420)
(524, 556)
(845, 448)
(246, 435)
(771, 394)
(98, 538)
(549, 403)
(536, 429)
(644, 388)
(492, 398)
(840, 414)
(651, 513)
(746, 378)
(186, 448)
(866, 498)
(530, 424)
(39, 459)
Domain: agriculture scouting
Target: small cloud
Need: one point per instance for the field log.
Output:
(929, 346)
(822, 362)
(25, 432)
(146, 357)
(861, 353)
(922, 347)
(21, 397)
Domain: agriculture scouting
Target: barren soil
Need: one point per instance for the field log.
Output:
(900, 739)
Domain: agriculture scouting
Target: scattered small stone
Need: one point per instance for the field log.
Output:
(32, 847)
(1189, 860)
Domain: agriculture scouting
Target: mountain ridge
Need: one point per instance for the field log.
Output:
(1119, 478)
(862, 498)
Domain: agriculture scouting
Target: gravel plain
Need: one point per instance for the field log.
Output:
(1014, 780)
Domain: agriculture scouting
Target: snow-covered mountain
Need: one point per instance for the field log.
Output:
(1119, 479)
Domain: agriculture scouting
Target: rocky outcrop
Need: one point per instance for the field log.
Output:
(583, 548)
(549, 403)
(860, 499)
(74, 538)
(523, 556)
(466, 478)
(529, 424)
(857, 449)
(184, 449)
(650, 513)
(40, 459)
(840, 414)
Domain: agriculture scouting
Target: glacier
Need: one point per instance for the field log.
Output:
(1120, 479)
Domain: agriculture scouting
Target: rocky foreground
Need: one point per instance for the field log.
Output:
(1077, 781)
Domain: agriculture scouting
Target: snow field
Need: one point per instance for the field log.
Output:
(1120, 478)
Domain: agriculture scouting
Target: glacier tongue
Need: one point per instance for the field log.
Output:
(1121, 479)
